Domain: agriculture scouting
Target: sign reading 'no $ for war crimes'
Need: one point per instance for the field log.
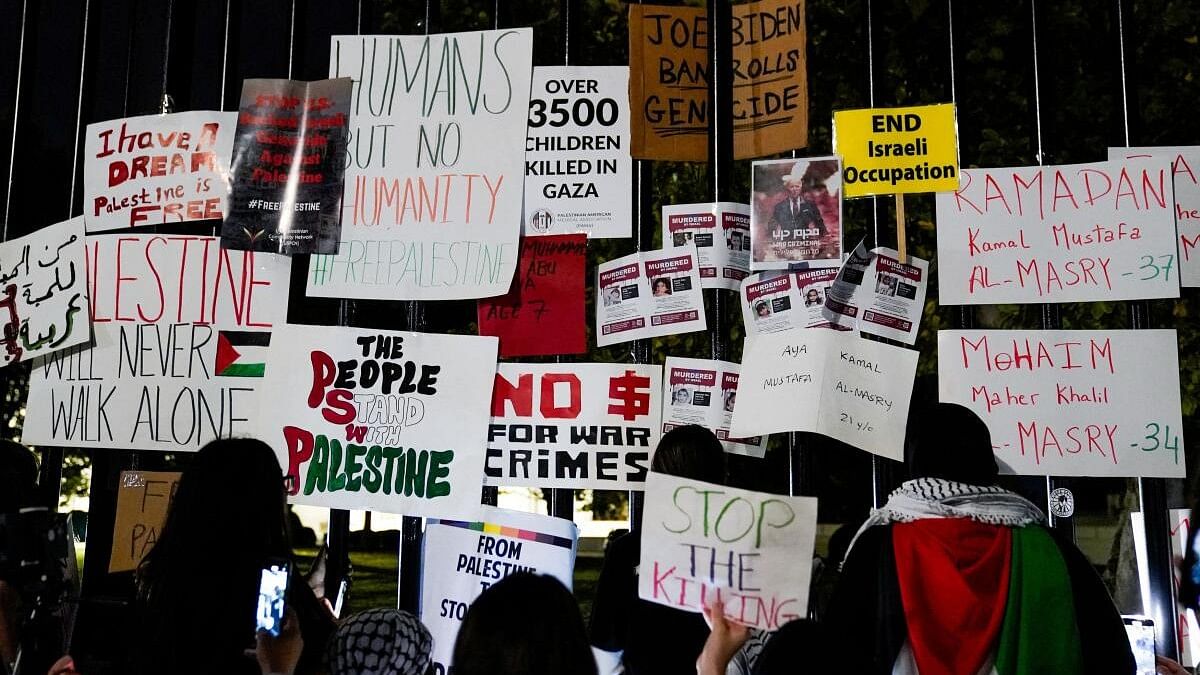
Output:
(703, 542)
(1071, 403)
(386, 421)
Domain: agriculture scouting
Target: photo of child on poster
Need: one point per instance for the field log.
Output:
(796, 213)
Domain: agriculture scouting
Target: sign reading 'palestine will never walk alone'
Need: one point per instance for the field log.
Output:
(435, 166)
(173, 366)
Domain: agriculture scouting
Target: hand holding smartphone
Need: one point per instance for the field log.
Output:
(272, 596)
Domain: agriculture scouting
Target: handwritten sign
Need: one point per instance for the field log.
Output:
(648, 294)
(775, 301)
(435, 166)
(1185, 168)
(796, 213)
(578, 172)
(837, 384)
(143, 499)
(1076, 233)
(157, 169)
(896, 150)
(704, 392)
(182, 328)
(543, 314)
(578, 425)
(721, 233)
(461, 559)
(381, 420)
(669, 74)
(287, 168)
(1188, 626)
(1071, 403)
(751, 550)
(43, 292)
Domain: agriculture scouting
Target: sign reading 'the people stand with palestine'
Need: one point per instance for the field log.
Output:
(895, 150)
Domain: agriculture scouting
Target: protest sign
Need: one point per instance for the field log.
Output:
(721, 233)
(669, 72)
(181, 330)
(751, 550)
(1188, 626)
(703, 392)
(143, 499)
(648, 294)
(157, 169)
(381, 420)
(775, 301)
(435, 166)
(43, 292)
(875, 293)
(459, 560)
(796, 213)
(578, 425)
(543, 314)
(287, 167)
(1076, 233)
(837, 384)
(578, 171)
(897, 150)
(1070, 403)
(1185, 168)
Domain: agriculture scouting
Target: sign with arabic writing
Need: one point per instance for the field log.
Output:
(43, 292)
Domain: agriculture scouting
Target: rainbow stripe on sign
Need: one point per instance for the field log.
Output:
(513, 532)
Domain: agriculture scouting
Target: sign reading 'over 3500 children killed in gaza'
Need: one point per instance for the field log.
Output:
(896, 150)
(381, 420)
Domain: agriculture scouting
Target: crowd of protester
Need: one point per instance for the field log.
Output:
(953, 576)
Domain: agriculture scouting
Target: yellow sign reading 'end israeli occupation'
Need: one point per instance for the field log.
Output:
(891, 150)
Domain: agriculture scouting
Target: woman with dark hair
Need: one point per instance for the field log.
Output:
(524, 624)
(198, 586)
(649, 638)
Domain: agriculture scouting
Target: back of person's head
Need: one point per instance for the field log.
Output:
(18, 476)
(199, 584)
(799, 647)
(690, 451)
(949, 441)
(380, 642)
(524, 624)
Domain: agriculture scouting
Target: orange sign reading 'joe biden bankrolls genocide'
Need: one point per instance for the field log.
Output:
(669, 74)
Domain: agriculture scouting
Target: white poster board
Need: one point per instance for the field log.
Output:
(573, 425)
(704, 392)
(157, 169)
(578, 172)
(182, 329)
(1071, 403)
(649, 294)
(460, 559)
(1077, 233)
(435, 166)
(1189, 627)
(1185, 167)
(380, 420)
(721, 233)
(837, 384)
(752, 550)
(775, 301)
(43, 292)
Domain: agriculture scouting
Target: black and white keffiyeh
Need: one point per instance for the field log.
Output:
(380, 642)
(939, 498)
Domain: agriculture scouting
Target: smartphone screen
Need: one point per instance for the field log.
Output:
(340, 599)
(1141, 639)
(272, 597)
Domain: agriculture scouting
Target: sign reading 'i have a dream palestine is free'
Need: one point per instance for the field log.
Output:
(897, 150)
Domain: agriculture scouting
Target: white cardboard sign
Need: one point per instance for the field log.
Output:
(752, 550)
(578, 172)
(837, 384)
(182, 328)
(1185, 167)
(435, 166)
(1071, 403)
(1075, 233)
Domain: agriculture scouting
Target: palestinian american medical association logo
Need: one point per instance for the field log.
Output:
(541, 220)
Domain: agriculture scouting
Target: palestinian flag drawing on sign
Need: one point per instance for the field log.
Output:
(242, 353)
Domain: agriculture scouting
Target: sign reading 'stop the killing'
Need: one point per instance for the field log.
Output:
(669, 75)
